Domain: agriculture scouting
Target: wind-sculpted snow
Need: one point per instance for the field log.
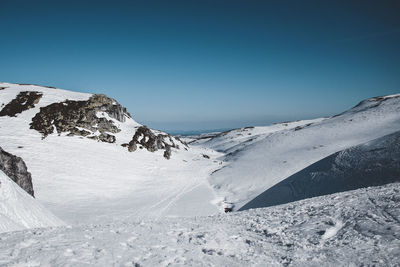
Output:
(356, 228)
(18, 210)
(374, 163)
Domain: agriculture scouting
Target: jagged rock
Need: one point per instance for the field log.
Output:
(76, 131)
(15, 168)
(167, 152)
(104, 137)
(152, 142)
(70, 115)
(23, 101)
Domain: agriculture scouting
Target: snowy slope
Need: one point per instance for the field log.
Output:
(84, 180)
(370, 164)
(256, 158)
(19, 210)
(80, 179)
(355, 228)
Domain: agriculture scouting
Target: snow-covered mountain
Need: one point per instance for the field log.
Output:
(355, 228)
(120, 185)
(257, 158)
(19, 210)
(90, 160)
(374, 163)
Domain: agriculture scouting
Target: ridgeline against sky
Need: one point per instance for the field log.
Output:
(180, 65)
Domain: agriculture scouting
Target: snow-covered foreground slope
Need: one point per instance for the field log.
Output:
(376, 162)
(354, 228)
(257, 158)
(19, 210)
(80, 179)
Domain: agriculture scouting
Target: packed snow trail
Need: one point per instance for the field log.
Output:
(360, 227)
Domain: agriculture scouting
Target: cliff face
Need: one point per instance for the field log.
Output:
(15, 168)
(80, 118)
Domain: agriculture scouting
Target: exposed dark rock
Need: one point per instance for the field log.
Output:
(167, 152)
(108, 138)
(76, 131)
(152, 142)
(23, 101)
(206, 156)
(70, 115)
(302, 126)
(2, 87)
(15, 168)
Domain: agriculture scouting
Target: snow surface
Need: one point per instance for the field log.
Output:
(257, 158)
(19, 210)
(354, 228)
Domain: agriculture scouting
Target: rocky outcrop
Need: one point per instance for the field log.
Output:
(15, 168)
(82, 118)
(153, 142)
(23, 101)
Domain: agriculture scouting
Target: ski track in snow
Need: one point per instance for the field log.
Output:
(351, 228)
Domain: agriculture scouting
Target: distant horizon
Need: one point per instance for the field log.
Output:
(184, 128)
(194, 65)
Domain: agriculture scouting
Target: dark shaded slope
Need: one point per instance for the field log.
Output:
(371, 164)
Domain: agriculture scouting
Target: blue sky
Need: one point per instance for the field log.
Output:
(190, 65)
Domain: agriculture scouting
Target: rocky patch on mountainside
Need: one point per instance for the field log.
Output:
(152, 142)
(23, 101)
(91, 118)
(15, 168)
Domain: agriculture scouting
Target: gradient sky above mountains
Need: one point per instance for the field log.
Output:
(207, 64)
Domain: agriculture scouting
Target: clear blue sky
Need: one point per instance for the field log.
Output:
(189, 65)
